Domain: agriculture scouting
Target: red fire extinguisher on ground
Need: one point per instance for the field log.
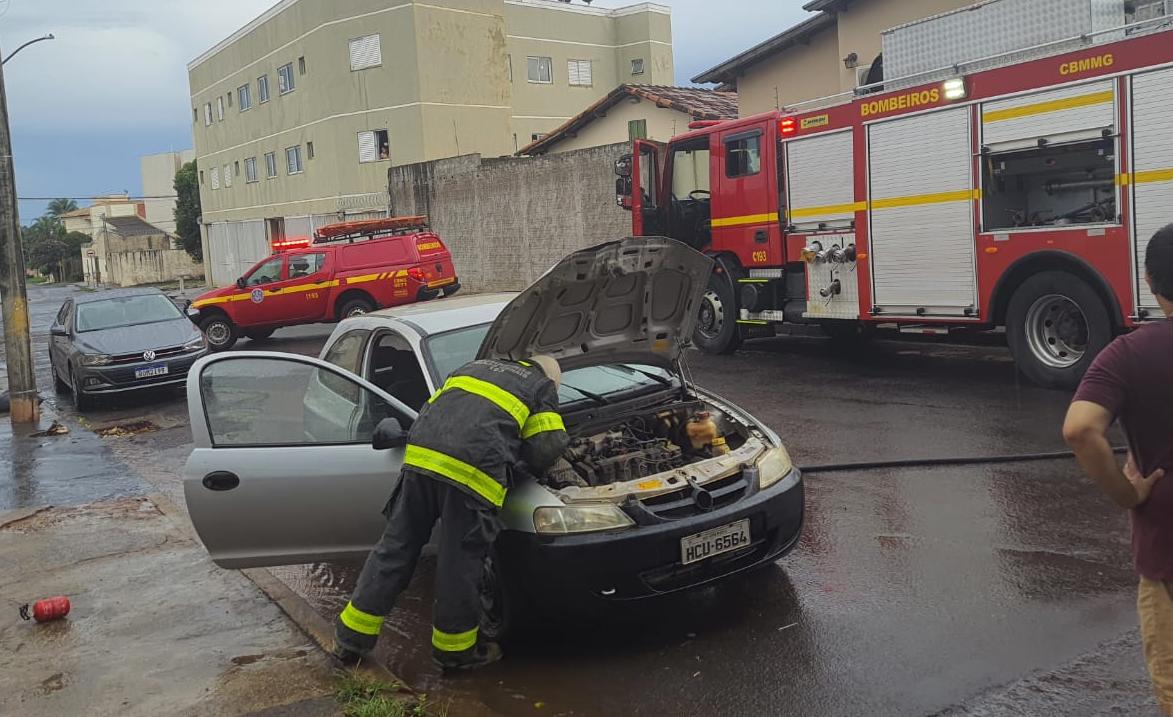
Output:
(46, 610)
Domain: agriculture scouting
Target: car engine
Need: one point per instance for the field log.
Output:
(639, 447)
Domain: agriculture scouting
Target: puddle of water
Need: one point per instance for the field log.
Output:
(125, 430)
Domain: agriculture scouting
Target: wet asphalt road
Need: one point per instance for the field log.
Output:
(982, 590)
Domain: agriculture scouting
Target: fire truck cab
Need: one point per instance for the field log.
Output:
(1021, 196)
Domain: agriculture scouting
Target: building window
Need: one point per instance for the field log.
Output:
(743, 156)
(637, 66)
(509, 67)
(541, 70)
(285, 78)
(215, 177)
(374, 145)
(293, 159)
(366, 51)
(201, 176)
(246, 98)
(250, 170)
(229, 96)
(271, 164)
(301, 65)
(207, 114)
(309, 150)
(637, 129)
(227, 176)
(579, 73)
(195, 115)
(263, 89)
(236, 168)
(220, 109)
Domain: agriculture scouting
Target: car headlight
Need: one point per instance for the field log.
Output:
(568, 519)
(773, 467)
(95, 359)
(195, 344)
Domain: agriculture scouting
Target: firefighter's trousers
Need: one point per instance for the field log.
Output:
(467, 530)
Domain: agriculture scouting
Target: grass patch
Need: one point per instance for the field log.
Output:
(363, 696)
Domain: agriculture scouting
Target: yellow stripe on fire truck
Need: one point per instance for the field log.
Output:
(1039, 108)
(743, 220)
(300, 288)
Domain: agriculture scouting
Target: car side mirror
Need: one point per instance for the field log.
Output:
(58, 330)
(240, 283)
(389, 434)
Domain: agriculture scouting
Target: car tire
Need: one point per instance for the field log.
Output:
(716, 329)
(501, 602)
(59, 386)
(259, 335)
(82, 401)
(220, 332)
(355, 307)
(1056, 325)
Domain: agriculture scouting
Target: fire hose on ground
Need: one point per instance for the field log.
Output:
(932, 462)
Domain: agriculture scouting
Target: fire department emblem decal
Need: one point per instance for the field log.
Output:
(148, 355)
(258, 295)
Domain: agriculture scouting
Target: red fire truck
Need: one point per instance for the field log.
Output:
(1021, 196)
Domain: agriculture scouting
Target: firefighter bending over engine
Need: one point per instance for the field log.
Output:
(460, 460)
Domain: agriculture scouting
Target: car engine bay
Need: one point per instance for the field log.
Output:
(645, 444)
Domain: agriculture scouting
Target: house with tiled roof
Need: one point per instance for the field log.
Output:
(631, 112)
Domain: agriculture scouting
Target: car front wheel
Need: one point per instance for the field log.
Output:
(81, 400)
(58, 385)
(499, 602)
(220, 332)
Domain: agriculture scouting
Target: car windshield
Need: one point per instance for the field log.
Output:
(451, 350)
(126, 311)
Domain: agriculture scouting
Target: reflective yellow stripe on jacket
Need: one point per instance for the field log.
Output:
(359, 621)
(540, 423)
(458, 642)
(506, 401)
(457, 471)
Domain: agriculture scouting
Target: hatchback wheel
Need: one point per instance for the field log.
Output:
(58, 385)
(220, 332)
(82, 401)
(499, 602)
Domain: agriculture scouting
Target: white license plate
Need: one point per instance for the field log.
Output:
(149, 371)
(701, 546)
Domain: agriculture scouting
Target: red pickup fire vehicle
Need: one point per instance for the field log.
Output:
(348, 269)
(1001, 192)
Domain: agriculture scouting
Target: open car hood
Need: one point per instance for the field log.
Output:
(630, 301)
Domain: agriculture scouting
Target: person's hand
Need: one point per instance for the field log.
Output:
(1142, 485)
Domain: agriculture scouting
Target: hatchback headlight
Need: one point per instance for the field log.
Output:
(195, 344)
(95, 359)
(569, 519)
(773, 467)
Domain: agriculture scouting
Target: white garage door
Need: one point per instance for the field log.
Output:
(921, 212)
(1152, 138)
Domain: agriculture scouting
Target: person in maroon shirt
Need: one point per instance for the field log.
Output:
(1132, 380)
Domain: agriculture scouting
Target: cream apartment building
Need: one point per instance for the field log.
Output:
(298, 115)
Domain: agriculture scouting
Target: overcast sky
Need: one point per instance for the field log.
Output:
(113, 85)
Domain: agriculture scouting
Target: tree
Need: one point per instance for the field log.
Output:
(187, 209)
(47, 255)
(57, 207)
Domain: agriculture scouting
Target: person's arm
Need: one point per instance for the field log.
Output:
(1086, 431)
(544, 435)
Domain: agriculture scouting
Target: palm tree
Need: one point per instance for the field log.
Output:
(57, 207)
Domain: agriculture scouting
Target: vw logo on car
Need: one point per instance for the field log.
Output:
(148, 355)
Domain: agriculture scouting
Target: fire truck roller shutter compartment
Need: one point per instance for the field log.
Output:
(921, 188)
(1069, 114)
(820, 172)
(1152, 180)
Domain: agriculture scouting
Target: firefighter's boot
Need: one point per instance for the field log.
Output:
(482, 655)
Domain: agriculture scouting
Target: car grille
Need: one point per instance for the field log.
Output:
(176, 368)
(138, 357)
(681, 504)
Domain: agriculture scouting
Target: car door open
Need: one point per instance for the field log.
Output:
(283, 470)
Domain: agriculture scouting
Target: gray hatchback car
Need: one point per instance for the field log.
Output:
(294, 457)
(118, 341)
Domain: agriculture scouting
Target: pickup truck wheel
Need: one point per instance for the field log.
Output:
(1056, 325)
(220, 332)
(259, 335)
(356, 307)
(716, 328)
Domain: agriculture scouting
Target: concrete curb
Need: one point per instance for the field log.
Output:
(295, 607)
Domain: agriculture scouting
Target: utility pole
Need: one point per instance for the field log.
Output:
(22, 380)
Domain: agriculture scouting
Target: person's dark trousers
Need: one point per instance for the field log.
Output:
(467, 530)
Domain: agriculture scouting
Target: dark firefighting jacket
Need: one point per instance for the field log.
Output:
(489, 416)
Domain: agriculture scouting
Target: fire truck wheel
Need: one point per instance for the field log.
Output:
(716, 327)
(356, 307)
(220, 332)
(1056, 325)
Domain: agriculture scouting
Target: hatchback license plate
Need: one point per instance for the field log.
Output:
(150, 371)
(695, 548)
